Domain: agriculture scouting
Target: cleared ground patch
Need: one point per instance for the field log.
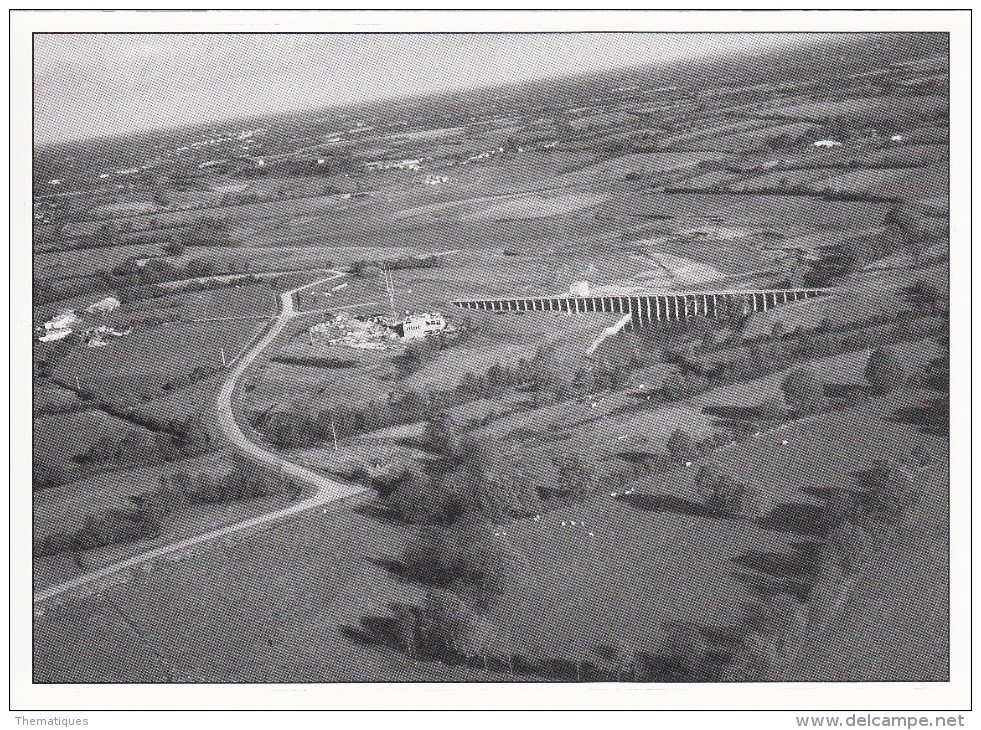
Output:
(652, 270)
(537, 207)
(910, 184)
(757, 139)
(901, 109)
(641, 164)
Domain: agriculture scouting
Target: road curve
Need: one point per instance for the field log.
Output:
(325, 490)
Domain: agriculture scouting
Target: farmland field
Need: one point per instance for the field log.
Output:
(149, 363)
(913, 184)
(559, 612)
(642, 577)
(756, 139)
(918, 561)
(62, 437)
(256, 301)
(902, 110)
(641, 164)
(771, 210)
(66, 508)
(52, 398)
(733, 127)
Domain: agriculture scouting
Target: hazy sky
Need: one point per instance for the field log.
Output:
(92, 85)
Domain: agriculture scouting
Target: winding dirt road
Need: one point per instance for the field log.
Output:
(324, 489)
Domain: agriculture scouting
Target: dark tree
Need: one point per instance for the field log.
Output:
(680, 445)
(804, 392)
(450, 628)
(884, 371)
(890, 491)
(723, 495)
(442, 435)
(674, 387)
(418, 500)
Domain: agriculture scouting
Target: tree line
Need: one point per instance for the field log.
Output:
(547, 377)
(147, 516)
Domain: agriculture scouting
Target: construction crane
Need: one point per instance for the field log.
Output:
(389, 288)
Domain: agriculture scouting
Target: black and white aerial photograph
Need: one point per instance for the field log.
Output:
(619, 359)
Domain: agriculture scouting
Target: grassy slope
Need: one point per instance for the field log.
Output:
(143, 362)
(62, 437)
(654, 561)
(65, 508)
(595, 430)
(308, 600)
(284, 605)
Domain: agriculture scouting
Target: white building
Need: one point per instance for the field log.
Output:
(422, 325)
(53, 335)
(827, 143)
(64, 320)
(579, 289)
(106, 305)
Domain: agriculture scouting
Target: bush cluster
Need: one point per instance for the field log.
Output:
(106, 527)
(725, 496)
(466, 568)
(157, 442)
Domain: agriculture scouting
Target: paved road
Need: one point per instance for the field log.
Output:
(324, 489)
